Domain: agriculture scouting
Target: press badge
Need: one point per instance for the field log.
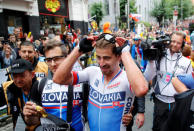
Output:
(166, 78)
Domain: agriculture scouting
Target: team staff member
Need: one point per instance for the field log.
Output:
(111, 88)
(17, 91)
(172, 64)
(27, 52)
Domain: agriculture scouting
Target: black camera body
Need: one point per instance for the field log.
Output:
(156, 49)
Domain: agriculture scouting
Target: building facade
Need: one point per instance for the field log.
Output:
(21, 13)
(111, 10)
(144, 7)
(37, 15)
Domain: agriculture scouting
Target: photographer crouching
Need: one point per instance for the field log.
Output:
(168, 64)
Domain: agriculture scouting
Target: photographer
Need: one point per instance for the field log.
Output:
(170, 65)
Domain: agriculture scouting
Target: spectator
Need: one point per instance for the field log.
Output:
(27, 52)
(187, 51)
(137, 52)
(17, 91)
(8, 56)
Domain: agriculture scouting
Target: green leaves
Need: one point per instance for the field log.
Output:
(166, 8)
(96, 9)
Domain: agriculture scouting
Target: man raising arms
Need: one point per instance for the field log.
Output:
(111, 88)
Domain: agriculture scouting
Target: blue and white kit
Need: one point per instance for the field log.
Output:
(54, 98)
(54, 101)
(107, 103)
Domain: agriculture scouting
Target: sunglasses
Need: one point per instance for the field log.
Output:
(108, 37)
(55, 59)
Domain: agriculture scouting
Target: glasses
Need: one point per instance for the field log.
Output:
(55, 59)
(110, 38)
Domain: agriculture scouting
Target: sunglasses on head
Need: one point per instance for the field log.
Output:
(108, 37)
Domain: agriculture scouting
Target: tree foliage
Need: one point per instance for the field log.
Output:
(96, 9)
(187, 7)
(159, 11)
(166, 8)
(132, 9)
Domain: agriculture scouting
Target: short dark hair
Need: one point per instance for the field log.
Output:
(102, 43)
(51, 44)
(27, 43)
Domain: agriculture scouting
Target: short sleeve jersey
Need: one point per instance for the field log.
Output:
(107, 103)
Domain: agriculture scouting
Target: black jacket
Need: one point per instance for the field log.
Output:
(14, 98)
(182, 116)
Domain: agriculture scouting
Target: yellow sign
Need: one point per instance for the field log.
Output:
(52, 5)
(94, 25)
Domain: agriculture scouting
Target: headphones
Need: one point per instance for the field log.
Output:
(182, 34)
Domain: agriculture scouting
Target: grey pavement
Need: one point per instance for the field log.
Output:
(149, 106)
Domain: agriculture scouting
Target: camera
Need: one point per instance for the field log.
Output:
(156, 49)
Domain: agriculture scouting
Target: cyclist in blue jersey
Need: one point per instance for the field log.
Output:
(54, 97)
(112, 89)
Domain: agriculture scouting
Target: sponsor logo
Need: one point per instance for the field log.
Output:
(182, 67)
(114, 85)
(128, 105)
(107, 98)
(40, 74)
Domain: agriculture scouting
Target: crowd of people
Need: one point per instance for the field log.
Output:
(64, 80)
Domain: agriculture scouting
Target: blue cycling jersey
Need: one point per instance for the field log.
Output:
(107, 103)
(54, 101)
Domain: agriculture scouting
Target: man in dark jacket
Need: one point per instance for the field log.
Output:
(17, 91)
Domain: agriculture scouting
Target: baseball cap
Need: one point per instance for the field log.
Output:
(19, 66)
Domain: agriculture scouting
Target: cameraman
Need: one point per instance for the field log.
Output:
(172, 64)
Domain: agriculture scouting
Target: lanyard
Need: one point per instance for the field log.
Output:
(112, 78)
(175, 68)
(25, 98)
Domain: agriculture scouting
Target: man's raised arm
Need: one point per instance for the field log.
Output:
(63, 73)
(134, 75)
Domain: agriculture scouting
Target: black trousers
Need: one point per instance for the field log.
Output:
(161, 113)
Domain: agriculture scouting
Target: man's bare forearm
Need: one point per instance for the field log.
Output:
(134, 75)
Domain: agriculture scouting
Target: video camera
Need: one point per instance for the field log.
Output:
(156, 49)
